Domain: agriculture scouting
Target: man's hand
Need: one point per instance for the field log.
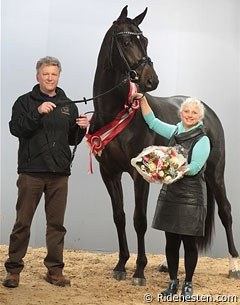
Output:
(46, 107)
(82, 121)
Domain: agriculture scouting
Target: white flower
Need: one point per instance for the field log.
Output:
(161, 173)
(167, 179)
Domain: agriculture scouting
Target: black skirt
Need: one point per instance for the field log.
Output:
(182, 207)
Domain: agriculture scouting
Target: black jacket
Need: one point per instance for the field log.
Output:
(44, 139)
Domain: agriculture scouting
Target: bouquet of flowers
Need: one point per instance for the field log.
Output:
(160, 163)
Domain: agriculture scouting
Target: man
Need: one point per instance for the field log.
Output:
(46, 123)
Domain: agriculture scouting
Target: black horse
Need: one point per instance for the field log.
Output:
(123, 57)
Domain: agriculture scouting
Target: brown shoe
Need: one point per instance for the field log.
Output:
(57, 279)
(11, 280)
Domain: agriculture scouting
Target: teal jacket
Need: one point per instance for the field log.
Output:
(200, 151)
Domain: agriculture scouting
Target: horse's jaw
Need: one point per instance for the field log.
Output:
(146, 78)
(148, 84)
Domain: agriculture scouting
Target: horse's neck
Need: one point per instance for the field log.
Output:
(110, 93)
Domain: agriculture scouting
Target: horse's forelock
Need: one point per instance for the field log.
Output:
(127, 22)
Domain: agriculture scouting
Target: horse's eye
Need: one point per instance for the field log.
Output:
(126, 42)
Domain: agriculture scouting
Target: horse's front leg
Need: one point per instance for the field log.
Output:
(141, 188)
(114, 187)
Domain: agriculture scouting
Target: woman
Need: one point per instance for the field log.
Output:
(182, 206)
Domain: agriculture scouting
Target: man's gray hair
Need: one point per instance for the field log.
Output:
(194, 101)
(49, 61)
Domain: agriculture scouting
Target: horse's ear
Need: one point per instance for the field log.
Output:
(140, 17)
(123, 14)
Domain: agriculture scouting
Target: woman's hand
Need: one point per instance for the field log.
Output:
(145, 108)
(183, 169)
(137, 96)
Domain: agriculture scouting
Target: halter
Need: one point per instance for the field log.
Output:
(130, 67)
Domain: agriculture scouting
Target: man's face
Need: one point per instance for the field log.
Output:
(48, 77)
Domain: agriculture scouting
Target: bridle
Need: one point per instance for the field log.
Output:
(132, 75)
(131, 68)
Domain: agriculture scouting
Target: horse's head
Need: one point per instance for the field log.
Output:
(128, 53)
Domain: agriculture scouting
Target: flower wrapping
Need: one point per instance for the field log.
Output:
(160, 164)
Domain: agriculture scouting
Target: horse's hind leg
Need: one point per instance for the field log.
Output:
(163, 266)
(215, 179)
(114, 187)
(140, 224)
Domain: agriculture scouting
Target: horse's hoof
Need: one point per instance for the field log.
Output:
(136, 281)
(119, 275)
(162, 268)
(234, 274)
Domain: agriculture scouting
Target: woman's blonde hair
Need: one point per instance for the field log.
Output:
(193, 101)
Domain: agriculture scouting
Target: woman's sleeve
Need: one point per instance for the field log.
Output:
(164, 129)
(200, 155)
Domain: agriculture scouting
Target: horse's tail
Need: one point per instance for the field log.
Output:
(204, 242)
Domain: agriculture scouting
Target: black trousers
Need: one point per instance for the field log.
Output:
(173, 242)
(31, 187)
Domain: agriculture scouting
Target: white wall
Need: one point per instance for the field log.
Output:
(195, 49)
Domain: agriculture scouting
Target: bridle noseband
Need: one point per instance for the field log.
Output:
(130, 67)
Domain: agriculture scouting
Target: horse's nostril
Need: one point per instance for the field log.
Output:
(152, 83)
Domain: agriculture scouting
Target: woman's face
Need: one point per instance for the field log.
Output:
(190, 115)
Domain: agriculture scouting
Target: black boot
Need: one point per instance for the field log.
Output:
(187, 291)
(172, 288)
